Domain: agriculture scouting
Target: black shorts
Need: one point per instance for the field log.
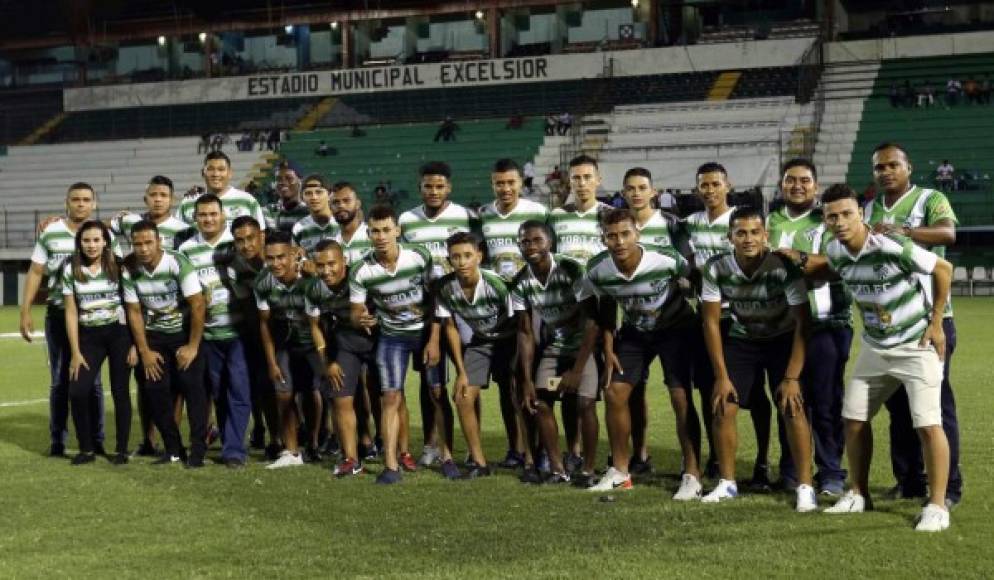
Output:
(748, 360)
(676, 347)
(355, 352)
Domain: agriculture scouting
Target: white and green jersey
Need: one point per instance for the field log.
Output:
(707, 238)
(891, 299)
(661, 231)
(283, 218)
(399, 295)
(234, 202)
(554, 302)
(831, 302)
(918, 207)
(649, 298)
(759, 304)
(162, 292)
(431, 233)
(308, 232)
(578, 233)
(501, 234)
(54, 247)
(488, 314)
(207, 259)
(357, 246)
(286, 305)
(168, 230)
(98, 299)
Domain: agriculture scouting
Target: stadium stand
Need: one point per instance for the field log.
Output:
(23, 111)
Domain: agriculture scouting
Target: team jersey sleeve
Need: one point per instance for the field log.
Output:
(441, 311)
(66, 281)
(40, 253)
(517, 300)
(295, 233)
(259, 215)
(587, 289)
(260, 290)
(796, 291)
(189, 282)
(312, 299)
(710, 290)
(937, 208)
(129, 291)
(914, 258)
(357, 290)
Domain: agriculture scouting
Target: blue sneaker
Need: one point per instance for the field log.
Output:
(389, 476)
(449, 470)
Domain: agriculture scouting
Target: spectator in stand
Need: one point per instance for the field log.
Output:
(985, 90)
(667, 201)
(447, 130)
(204, 145)
(971, 92)
(217, 141)
(895, 95)
(617, 201)
(529, 175)
(907, 94)
(953, 91)
(944, 179)
(273, 142)
(564, 123)
(925, 94)
(550, 125)
(322, 149)
(244, 142)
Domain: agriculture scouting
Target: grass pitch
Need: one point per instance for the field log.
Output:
(100, 521)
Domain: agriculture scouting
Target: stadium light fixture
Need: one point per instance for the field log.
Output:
(202, 36)
(479, 15)
(635, 3)
(162, 40)
(334, 25)
(288, 28)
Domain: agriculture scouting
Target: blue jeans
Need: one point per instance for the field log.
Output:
(59, 354)
(231, 391)
(392, 356)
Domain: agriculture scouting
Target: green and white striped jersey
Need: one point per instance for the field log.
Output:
(918, 207)
(286, 306)
(892, 301)
(54, 247)
(759, 304)
(649, 298)
(283, 218)
(399, 296)
(162, 292)
(431, 233)
(168, 230)
(554, 302)
(489, 314)
(98, 299)
(501, 234)
(707, 238)
(322, 301)
(355, 248)
(578, 233)
(308, 232)
(831, 302)
(661, 231)
(234, 202)
(209, 261)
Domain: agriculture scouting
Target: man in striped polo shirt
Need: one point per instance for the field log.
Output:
(55, 244)
(226, 367)
(925, 216)
(429, 225)
(797, 231)
(217, 174)
(707, 234)
(768, 305)
(320, 223)
(481, 299)
(903, 344)
(166, 310)
(287, 210)
(395, 279)
(500, 220)
(658, 322)
(346, 208)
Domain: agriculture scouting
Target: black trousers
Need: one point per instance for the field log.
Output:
(188, 382)
(110, 342)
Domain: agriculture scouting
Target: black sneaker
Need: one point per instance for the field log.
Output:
(258, 438)
(57, 450)
(98, 449)
(83, 458)
(167, 459)
(572, 463)
(147, 449)
(640, 467)
(389, 476)
(331, 447)
(234, 463)
(512, 460)
(479, 471)
(369, 453)
(760, 481)
(449, 470)
(119, 459)
(711, 468)
(469, 463)
(530, 475)
(557, 478)
(195, 463)
(312, 455)
(273, 451)
(584, 480)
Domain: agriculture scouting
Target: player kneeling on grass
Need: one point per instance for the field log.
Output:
(546, 287)
(769, 306)
(327, 301)
(658, 322)
(903, 343)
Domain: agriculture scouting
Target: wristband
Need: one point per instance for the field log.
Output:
(791, 379)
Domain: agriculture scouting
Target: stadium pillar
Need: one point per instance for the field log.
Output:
(493, 32)
(346, 28)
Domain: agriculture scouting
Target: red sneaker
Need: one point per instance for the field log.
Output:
(407, 462)
(348, 468)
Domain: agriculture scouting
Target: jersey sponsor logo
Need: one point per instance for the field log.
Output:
(885, 271)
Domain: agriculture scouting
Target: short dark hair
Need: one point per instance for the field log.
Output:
(206, 198)
(464, 238)
(890, 145)
(340, 185)
(328, 244)
(616, 216)
(82, 185)
(278, 237)
(382, 212)
(245, 220)
(315, 177)
(637, 172)
(583, 159)
(436, 168)
(217, 155)
(800, 162)
(711, 167)
(144, 226)
(535, 224)
(743, 212)
(505, 164)
(837, 192)
(161, 180)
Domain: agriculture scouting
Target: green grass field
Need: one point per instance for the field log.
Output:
(99, 521)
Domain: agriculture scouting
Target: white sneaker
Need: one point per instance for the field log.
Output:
(690, 489)
(612, 480)
(807, 501)
(725, 490)
(850, 503)
(429, 456)
(286, 459)
(934, 518)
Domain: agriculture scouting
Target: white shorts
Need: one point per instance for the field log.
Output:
(881, 371)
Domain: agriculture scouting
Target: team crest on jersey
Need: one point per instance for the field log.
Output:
(884, 271)
(417, 280)
(487, 229)
(658, 285)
